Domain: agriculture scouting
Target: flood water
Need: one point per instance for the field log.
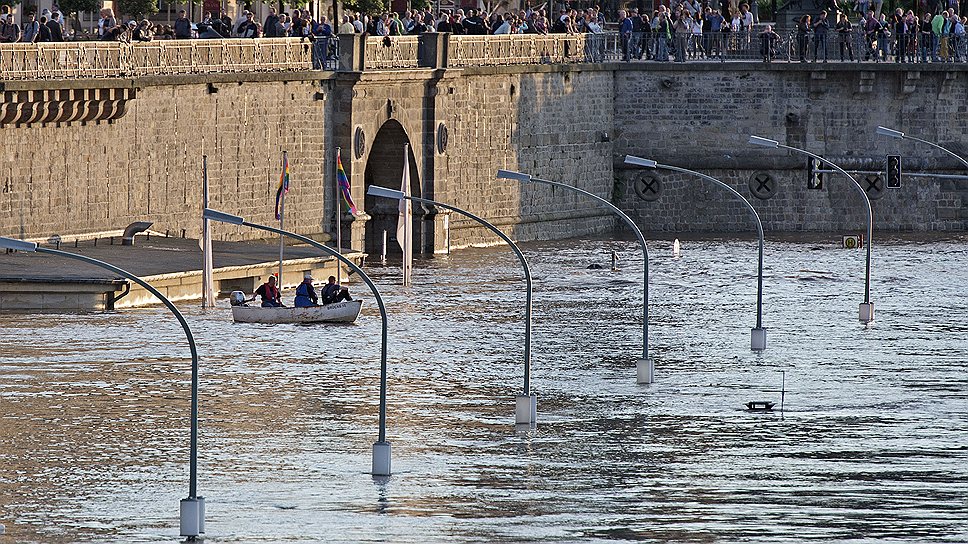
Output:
(872, 444)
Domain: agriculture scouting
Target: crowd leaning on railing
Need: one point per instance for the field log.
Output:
(691, 30)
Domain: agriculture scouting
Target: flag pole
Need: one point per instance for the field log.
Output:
(337, 207)
(407, 218)
(282, 217)
(208, 299)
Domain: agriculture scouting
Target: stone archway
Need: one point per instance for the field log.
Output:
(384, 168)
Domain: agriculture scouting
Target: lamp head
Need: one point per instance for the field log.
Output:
(510, 174)
(765, 142)
(890, 133)
(222, 217)
(17, 245)
(639, 161)
(376, 190)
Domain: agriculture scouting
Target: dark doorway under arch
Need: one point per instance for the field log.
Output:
(384, 168)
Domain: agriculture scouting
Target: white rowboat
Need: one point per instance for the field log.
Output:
(338, 312)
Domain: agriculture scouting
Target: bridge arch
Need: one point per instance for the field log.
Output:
(384, 168)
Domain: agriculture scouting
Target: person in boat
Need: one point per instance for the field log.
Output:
(269, 293)
(334, 292)
(305, 293)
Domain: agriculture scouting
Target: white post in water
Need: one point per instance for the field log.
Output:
(208, 294)
(383, 251)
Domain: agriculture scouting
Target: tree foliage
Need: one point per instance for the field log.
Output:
(137, 8)
(9, 3)
(76, 6)
(368, 7)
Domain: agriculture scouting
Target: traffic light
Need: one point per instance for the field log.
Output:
(814, 178)
(893, 171)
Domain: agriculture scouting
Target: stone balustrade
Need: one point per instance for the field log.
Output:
(75, 60)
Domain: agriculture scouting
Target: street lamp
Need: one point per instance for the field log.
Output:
(758, 333)
(645, 369)
(191, 509)
(866, 309)
(526, 404)
(381, 448)
(891, 133)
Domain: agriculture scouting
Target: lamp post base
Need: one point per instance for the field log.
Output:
(758, 338)
(192, 517)
(381, 459)
(525, 409)
(866, 312)
(645, 371)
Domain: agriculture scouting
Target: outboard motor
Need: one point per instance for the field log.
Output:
(237, 298)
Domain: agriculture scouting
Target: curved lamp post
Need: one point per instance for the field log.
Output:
(758, 333)
(866, 310)
(191, 509)
(526, 404)
(381, 448)
(891, 133)
(645, 369)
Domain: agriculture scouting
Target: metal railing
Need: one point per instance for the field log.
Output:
(392, 52)
(161, 57)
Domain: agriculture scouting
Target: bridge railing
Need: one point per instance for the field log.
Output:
(162, 57)
(392, 52)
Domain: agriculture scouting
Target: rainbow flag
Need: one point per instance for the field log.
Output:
(283, 185)
(344, 185)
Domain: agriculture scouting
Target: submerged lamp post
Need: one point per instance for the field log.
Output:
(381, 448)
(866, 309)
(645, 369)
(191, 509)
(891, 133)
(757, 333)
(526, 404)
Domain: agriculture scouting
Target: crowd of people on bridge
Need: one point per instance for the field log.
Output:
(687, 29)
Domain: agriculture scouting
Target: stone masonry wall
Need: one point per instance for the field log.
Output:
(551, 124)
(571, 124)
(147, 165)
(701, 119)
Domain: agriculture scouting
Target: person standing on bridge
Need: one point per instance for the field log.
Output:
(9, 30)
(820, 28)
(183, 26)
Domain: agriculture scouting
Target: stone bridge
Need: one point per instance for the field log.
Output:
(87, 153)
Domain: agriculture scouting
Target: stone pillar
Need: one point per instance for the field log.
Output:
(433, 50)
(352, 51)
(354, 231)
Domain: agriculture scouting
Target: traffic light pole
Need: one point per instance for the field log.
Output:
(906, 174)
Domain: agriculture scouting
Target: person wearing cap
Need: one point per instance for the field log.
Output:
(334, 292)
(269, 293)
(305, 293)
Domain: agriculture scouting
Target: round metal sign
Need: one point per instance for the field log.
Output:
(762, 185)
(873, 185)
(359, 142)
(647, 187)
(441, 138)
